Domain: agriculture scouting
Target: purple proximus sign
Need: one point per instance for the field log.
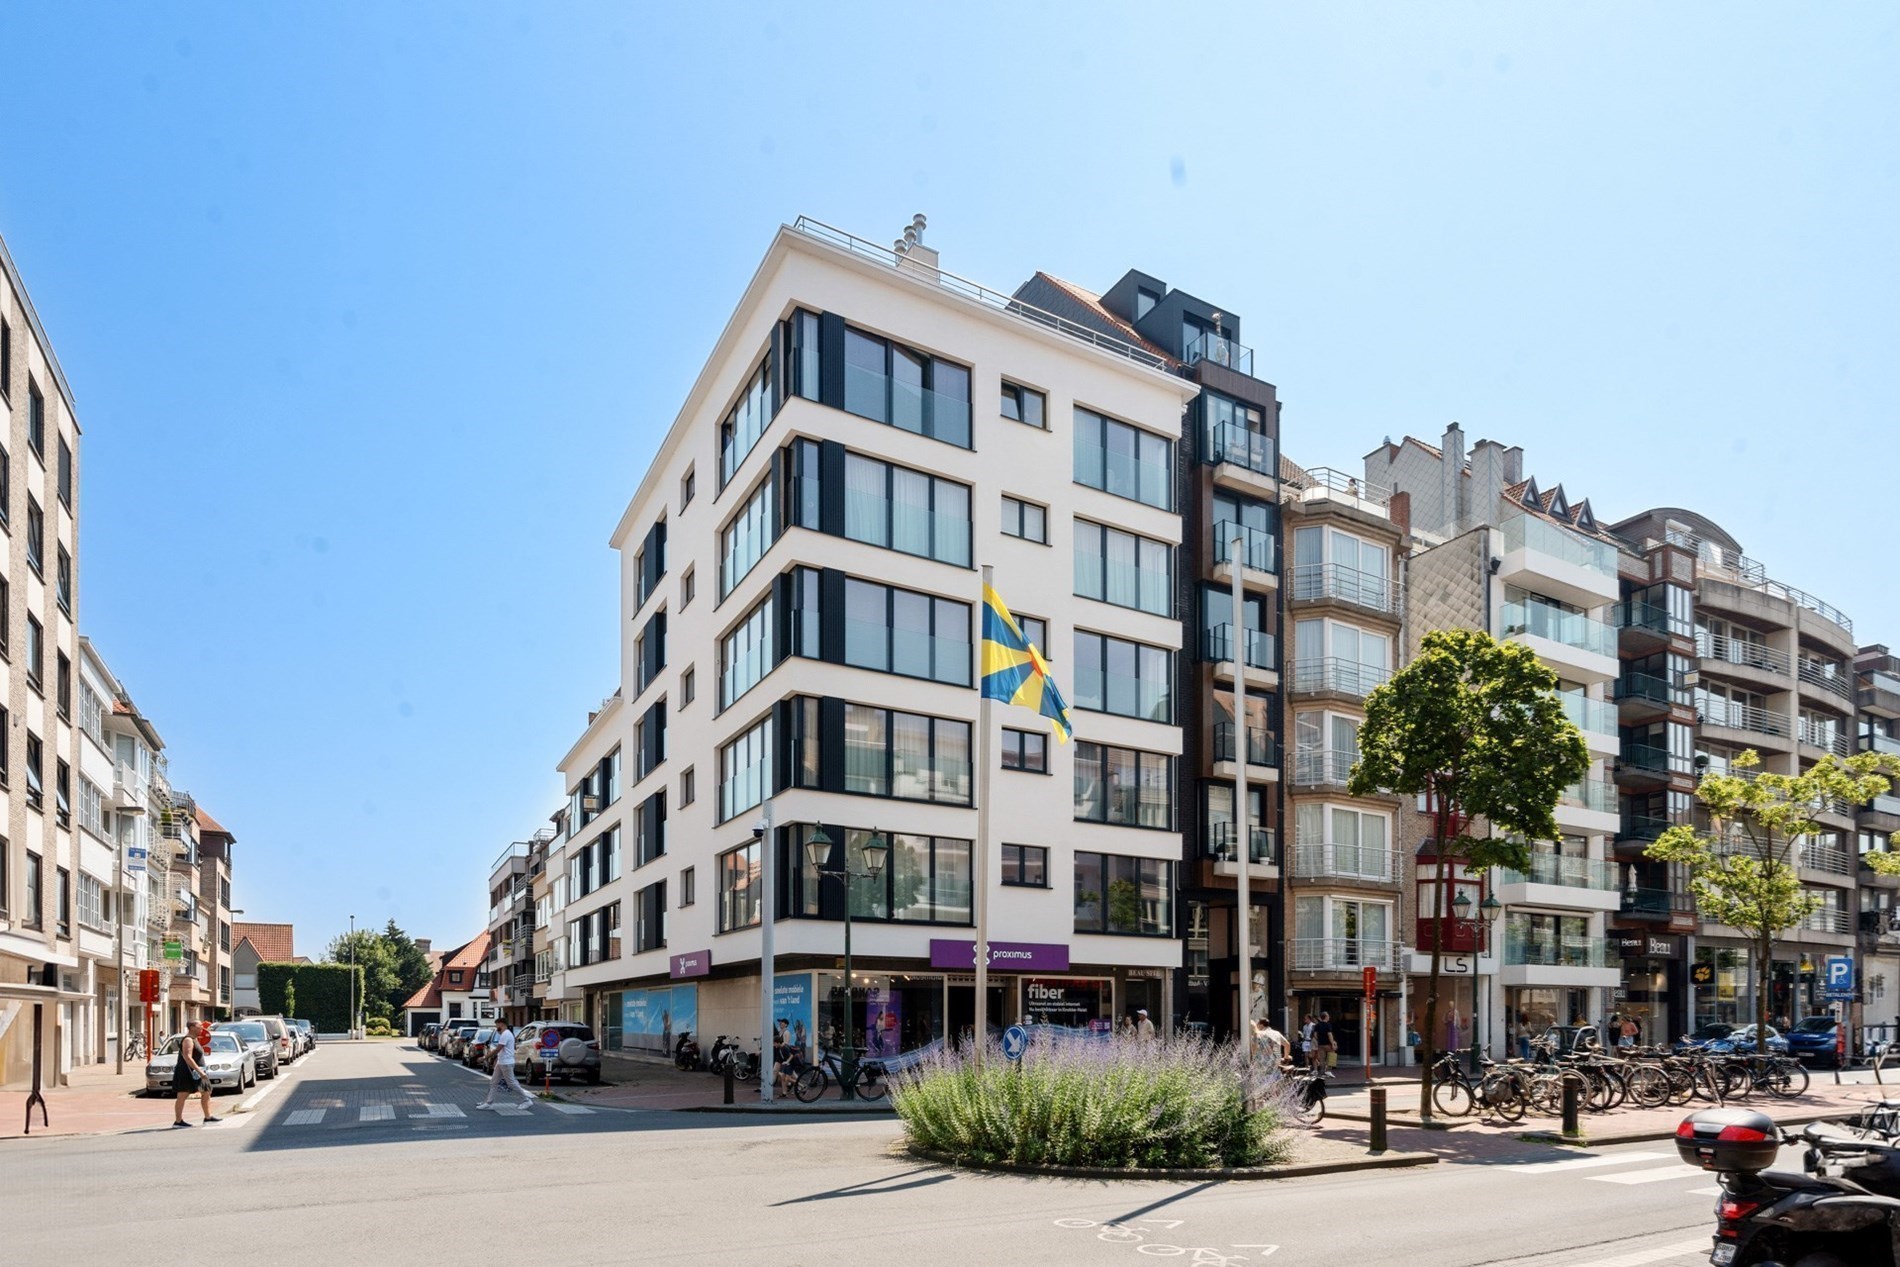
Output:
(693, 963)
(1007, 956)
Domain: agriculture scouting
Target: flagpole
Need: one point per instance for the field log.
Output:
(980, 864)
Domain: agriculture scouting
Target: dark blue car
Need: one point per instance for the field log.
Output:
(1742, 1040)
(1813, 1039)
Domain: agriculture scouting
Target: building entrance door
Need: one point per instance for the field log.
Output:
(962, 1010)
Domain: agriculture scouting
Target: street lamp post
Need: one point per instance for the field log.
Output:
(352, 976)
(873, 853)
(1461, 906)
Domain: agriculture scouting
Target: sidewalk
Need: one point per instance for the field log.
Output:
(1824, 1100)
(96, 1100)
(644, 1085)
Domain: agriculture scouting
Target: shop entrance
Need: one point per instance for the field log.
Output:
(962, 1012)
(1345, 1012)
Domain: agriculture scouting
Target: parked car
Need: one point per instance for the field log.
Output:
(576, 1052)
(288, 1048)
(476, 1045)
(305, 1033)
(228, 1063)
(1813, 1038)
(426, 1039)
(258, 1039)
(455, 1034)
(1743, 1040)
(1705, 1033)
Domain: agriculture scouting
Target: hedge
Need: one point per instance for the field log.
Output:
(322, 992)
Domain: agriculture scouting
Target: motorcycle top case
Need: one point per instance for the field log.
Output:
(1728, 1140)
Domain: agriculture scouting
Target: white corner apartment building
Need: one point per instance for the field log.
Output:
(47, 958)
(1491, 550)
(800, 616)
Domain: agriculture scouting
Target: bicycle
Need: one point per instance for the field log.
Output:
(870, 1081)
(135, 1047)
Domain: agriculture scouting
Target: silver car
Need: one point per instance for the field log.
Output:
(227, 1062)
(258, 1039)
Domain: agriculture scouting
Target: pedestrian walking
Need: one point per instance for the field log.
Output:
(1323, 1039)
(1144, 1028)
(503, 1079)
(1307, 1025)
(1270, 1045)
(188, 1075)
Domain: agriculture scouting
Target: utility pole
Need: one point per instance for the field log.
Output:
(352, 976)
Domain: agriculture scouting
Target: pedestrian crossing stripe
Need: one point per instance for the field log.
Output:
(1653, 1254)
(573, 1109)
(305, 1117)
(1587, 1162)
(1656, 1175)
(511, 1110)
(377, 1113)
(432, 1110)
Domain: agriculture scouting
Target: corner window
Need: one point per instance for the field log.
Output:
(745, 770)
(1114, 894)
(925, 881)
(746, 422)
(1026, 866)
(1123, 460)
(1024, 405)
(738, 872)
(1026, 520)
(912, 391)
(906, 756)
(747, 536)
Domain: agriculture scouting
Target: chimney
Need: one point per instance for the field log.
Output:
(912, 254)
(1514, 464)
(422, 944)
(1488, 462)
(1451, 480)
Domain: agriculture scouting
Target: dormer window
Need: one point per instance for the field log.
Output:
(1145, 301)
(455, 977)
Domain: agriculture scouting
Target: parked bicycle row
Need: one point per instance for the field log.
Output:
(795, 1073)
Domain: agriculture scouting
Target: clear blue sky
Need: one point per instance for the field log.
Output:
(375, 313)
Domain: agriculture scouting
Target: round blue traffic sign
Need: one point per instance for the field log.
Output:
(1015, 1042)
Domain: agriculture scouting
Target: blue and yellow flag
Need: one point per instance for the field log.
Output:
(1015, 672)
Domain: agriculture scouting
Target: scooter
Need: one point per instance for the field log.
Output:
(1842, 1211)
(686, 1051)
(721, 1055)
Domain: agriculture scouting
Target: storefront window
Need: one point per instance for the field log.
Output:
(886, 1015)
(1078, 1003)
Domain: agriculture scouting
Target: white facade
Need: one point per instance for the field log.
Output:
(625, 931)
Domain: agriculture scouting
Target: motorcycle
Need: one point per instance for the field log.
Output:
(686, 1052)
(1842, 1211)
(721, 1054)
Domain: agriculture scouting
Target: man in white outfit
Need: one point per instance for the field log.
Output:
(504, 1075)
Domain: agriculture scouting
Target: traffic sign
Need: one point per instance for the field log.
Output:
(1015, 1042)
(1840, 977)
(1370, 975)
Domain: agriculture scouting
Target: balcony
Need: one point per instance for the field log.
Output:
(1597, 795)
(1659, 904)
(1643, 828)
(1362, 863)
(1823, 735)
(1716, 563)
(1551, 560)
(1527, 951)
(1642, 697)
(1827, 859)
(1646, 765)
(1553, 625)
(1880, 814)
(1261, 748)
(1260, 554)
(1879, 693)
(1335, 676)
(1645, 626)
(1584, 884)
(1322, 484)
(1827, 920)
(1263, 847)
(1719, 651)
(1828, 677)
(1886, 745)
(1221, 350)
(1591, 716)
(1714, 710)
(1336, 583)
(1249, 459)
(1217, 645)
(1343, 954)
(1321, 767)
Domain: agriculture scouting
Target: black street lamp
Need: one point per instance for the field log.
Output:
(873, 854)
(1461, 907)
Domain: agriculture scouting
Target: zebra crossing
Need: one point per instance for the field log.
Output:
(422, 1112)
(1647, 1168)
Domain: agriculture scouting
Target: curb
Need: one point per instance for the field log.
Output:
(773, 1110)
(1384, 1161)
(1592, 1140)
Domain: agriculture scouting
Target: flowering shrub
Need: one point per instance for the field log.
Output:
(1120, 1103)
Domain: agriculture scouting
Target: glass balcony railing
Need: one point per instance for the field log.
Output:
(1261, 748)
(1315, 581)
(1598, 716)
(1220, 843)
(1571, 873)
(1347, 677)
(1655, 760)
(1525, 532)
(1649, 688)
(1258, 550)
(1217, 644)
(1592, 794)
(1218, 348)
(1228, 444)
(1656, 903)
(1886, 744)
(1643, 826)
(1635, 614)
(1539, 620)
(1529, 950)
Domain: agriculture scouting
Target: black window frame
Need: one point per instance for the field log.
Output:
(735, 898)
(809, 895)
(932, 365)
(1101, 926)
(1016, 743)
(65, 475)
(35, 536)
(1014, 403)
(1104, 642)
(934, 552)
(35, 654)
(1020, 858)
(36, 419)
(1138, 434)
(936, 602)
(1130, 812)
(35, 758)
(1014, 508)
(889, 780)
(63, 579)
(35, 915)
(1088, 531)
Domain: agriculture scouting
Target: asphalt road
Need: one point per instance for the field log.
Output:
(375, 1152)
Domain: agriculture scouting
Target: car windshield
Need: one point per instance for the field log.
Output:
(1715, 1030)
(225, 1041)
(1815, 1025)
(252, 1033)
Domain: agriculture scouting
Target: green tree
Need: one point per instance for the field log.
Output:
(1475, 726)
(410, 963)
(1743, 872)
(290, 998)
(372, 959)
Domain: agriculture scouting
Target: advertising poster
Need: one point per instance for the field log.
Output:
(792, 1002)
(685, 1012)
(883, 1022)
(633, 1017)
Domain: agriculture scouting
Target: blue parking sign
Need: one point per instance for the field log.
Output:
(1840, 976)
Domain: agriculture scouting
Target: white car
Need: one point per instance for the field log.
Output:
(227, 1062)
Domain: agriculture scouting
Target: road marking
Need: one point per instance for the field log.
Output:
(1703, 1192)
(1657, 1175)
(511, 1110)
(305, 1117)
(377, 1113)
(574, 1109)
(1655, 1254)
(440, 1110)
(1581, 1163)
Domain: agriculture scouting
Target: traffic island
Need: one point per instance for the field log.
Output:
(1309, 1156)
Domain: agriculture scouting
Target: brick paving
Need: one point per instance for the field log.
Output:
(97, 1101)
